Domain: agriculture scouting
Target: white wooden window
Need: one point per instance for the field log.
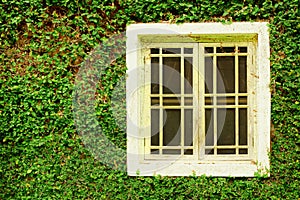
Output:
(198, 99)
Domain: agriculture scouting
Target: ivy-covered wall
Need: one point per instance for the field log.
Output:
(45, 43)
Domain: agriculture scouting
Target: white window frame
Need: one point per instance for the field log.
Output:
(139, 36)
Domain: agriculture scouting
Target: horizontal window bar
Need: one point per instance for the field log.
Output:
(227, 157)
(228, 100)
(171, 101)
(227, 147)
(173, 147)
(226, 106)
(171, 95)
(226, 94)
(223, 54)
(169, 55)
(173, 107)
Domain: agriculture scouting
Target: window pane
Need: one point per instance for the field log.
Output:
(171, 75)
(225, 74)
(154, 127)
(209, 49)
(171, 151)
(209, 127)
(209, 151)
(188, 50)
(243, 126)
(154, 151)
(188, 75)
(188, 127)
(171, 130)
(154, 51)
(226, 151)
(155, 101)
(154, 75)
(226, 126)
(243, 100)
(208, 74)
(188, 152)
(208, 101)
(188, 101)
(171, 50)
(243, 151)
(225, 49)
(242, 49)
(225, 100)
(242, 74)
(171, 101)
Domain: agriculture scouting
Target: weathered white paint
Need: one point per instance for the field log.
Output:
(140, 34)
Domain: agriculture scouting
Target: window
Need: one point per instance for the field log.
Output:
(198, 99)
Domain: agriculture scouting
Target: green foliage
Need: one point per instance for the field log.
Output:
(44, 43)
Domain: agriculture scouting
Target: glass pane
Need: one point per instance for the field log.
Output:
(243, 100)
(242, 74)
(154, 75)
(243, 126)
(171, 50)
(154, 151)
(225, 74)
(225, 49)
(171, 101)
(242, 49)
(188, 50)
(226, 126)
(208, 74)
(154, 51)
(226, 151)
(171, 151)
(188, 101)
(188, 127)
(171, 75)
(155, 101)
(188, 75)
(243, 151)
(209, 49)
(188, 152)
(209, 127)
(209, 151)
(208, 101)
(171, 130)
(225, 100)
(154, 127)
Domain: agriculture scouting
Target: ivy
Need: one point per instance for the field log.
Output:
(43, 46)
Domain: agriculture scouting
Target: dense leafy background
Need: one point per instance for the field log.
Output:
(44, 43)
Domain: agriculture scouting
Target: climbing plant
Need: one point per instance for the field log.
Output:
(43, 46)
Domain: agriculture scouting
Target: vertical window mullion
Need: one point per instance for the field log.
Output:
(236, 67)
(161, 117)
(215, 100)
(199, 105)
(182, 100)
